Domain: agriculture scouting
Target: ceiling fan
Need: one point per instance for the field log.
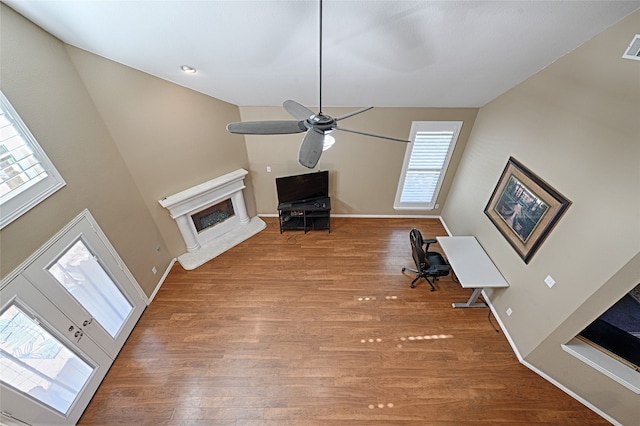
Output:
(316, 126)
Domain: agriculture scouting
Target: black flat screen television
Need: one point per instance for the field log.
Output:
(302, 188)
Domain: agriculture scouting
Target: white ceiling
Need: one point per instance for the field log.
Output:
(382, 53)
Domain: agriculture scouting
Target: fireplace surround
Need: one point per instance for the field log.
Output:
(212, 217)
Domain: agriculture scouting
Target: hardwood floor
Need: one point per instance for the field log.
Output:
(322, 329)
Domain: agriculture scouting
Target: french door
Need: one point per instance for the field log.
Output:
(80, 273)
(48, 374)
(64, 316)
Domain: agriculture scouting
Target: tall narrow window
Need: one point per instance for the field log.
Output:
(27, 176)
(425, 163)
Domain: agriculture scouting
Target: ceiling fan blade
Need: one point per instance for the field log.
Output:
(351, 114)
(315, 125)
(297, 110)
(311, 149)
(273, 127)
(370, 134)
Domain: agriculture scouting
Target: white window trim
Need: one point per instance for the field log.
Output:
(604, 363)
(426, 126)
(18, 204)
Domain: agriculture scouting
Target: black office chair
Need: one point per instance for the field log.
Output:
(429, 264)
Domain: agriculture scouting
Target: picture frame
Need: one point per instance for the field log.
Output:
(524, 208)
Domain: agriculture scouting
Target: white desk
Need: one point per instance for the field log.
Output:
(472, 266)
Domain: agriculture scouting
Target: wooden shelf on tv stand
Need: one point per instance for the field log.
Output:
(307, 215)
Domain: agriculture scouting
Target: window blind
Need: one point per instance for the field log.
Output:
(425, 164)
(19, 167)
(428, 156)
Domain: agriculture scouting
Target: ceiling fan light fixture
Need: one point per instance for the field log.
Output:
(188, 69)
(328, 142)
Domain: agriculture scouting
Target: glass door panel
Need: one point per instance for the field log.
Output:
(86, 281)
(35, 363)
(81, 273)
(48, 370)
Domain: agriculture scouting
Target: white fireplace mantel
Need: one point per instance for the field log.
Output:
(201, 196)
(204, 245)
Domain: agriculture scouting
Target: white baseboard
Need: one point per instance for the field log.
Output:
(542, 373)
(445, 226)
(162, 278)
(571, 393)
(532, 367)
(371, 216)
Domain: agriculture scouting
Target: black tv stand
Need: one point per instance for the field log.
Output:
(306, 215)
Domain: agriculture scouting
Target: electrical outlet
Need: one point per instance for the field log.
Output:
(509, 312)
(549, 281)
(268, 169)
(154, 270)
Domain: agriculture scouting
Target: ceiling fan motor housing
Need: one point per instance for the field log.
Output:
(320, 123)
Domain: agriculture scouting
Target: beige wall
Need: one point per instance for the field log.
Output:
(171, 138)
(363, 171)
(39, 79)
(122, 140)
(574, 124)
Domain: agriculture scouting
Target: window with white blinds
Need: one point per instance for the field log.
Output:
(27, 176)
(425, 163)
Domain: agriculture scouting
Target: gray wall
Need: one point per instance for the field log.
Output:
(573, 124)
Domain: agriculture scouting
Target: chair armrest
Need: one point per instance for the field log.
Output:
(428, 242)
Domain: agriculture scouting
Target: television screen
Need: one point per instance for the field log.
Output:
(300, 188)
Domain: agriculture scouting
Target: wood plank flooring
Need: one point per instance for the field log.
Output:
(322, 329)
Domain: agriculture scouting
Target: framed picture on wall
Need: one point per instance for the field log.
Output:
(524, 208)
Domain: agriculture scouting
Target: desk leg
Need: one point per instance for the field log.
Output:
(472, 302)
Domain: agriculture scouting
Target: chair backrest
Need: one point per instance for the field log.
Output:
(419, 256)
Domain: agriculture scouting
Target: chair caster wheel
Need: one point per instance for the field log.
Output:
(403, 269)
(413, 286)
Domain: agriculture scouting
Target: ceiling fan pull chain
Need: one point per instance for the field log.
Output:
(320, 106)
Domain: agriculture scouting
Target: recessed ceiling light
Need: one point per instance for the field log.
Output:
(188, 69)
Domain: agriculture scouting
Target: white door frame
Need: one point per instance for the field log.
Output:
(35, 288)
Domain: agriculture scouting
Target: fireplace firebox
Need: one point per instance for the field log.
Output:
(213, 215)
